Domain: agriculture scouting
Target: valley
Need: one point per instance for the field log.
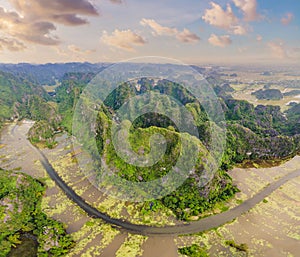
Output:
(230, 215)
(250, 181)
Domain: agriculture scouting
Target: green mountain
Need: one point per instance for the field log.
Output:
(15, 92)
(19, 99)
(268, 94)
(253, 133)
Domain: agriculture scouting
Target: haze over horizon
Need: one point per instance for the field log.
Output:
(221, 31)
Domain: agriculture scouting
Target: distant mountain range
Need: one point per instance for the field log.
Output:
(49, 74)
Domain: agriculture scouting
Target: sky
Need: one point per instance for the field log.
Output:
(193, 32)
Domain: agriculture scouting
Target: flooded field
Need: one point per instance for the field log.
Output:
(271, 228)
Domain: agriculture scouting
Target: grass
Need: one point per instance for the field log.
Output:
(193, 251)
(239, 201)
(132, 246)
(85, 238)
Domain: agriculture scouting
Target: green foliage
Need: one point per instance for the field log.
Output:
(293, 115)
(20, 212)
(292, 93)
(140, 143)
(239, 247)
(193, 251)
(268, 94)
(189, 199)
(14, 91)
(20, 99)
(42, 131)
(68, 93)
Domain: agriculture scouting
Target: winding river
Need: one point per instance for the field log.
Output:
(193, 227)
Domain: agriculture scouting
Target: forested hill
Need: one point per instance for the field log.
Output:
(51, 73)
(253, 132)
(263, 131)
(16, 95)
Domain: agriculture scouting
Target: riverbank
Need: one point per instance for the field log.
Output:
(87, 231)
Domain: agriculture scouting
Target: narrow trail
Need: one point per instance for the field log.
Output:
(194, 227)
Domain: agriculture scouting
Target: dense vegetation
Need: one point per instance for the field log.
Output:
(19, 99)
(21, 214)
(193, 251)
(293, 116)
(261, 132)
(268, 94)
(50, 73)
(239, 247)
(292, 93)
(190, 199)
(14, 93)
(68, 93)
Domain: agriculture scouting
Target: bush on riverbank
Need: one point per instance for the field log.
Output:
(20, 212)
(193, 251)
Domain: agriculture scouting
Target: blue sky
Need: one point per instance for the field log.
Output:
(220, 31)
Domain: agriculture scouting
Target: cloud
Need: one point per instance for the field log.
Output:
(220, 41)
(58, 11)
(68, 19)
(35, 21)
(159, 29)
(77, 50)
(184, 36)
(218, 17)
(117, 1)
(239, 30)
(259, 38)
(277, 49)
(224, 19)
(286, 20)
(17, 28)
(11, 44)
(249, 8)
(187, 37)
(124, 39)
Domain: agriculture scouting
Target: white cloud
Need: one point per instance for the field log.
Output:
(220, 41)
(117, 1)
(277, 49)
(124, 39)
(239, 30)
(34, 21)
(218, 17)
(286, 20)
(77, 50)
(57, 11)
(184, 36)
(249, 9)
(11, 45)
(157, 28)
(187, 36)
(224, 19)
(259, 38)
